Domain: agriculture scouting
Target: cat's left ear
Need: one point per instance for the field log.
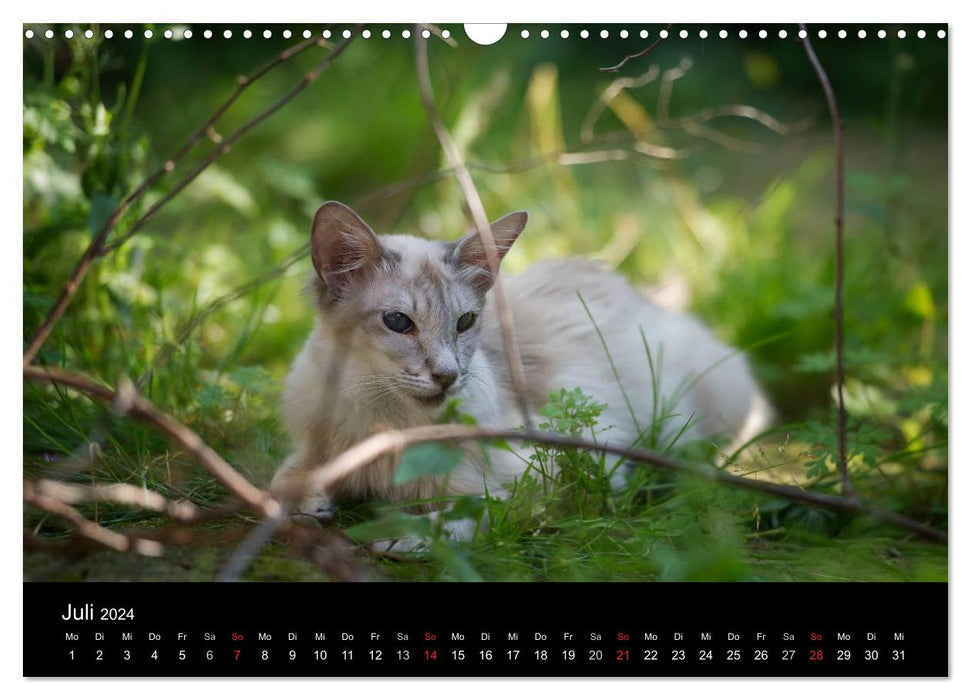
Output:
(342, 246)
(470, 251)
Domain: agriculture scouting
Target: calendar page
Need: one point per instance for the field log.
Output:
(362, 350)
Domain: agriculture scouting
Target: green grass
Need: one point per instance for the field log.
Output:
(204, 308)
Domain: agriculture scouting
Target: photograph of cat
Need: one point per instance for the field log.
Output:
(405, 323)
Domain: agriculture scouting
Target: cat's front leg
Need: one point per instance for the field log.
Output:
(290, 486)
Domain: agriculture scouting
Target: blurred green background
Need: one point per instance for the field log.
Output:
(204, 307)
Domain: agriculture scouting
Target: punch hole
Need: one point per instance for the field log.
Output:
(485, 34)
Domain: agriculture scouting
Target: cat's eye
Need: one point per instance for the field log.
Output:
(465, 322)
(398, 322)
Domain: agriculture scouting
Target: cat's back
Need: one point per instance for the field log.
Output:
(581, 324)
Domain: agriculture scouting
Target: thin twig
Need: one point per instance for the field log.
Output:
(838, 282)
(482, 225)
(616, 86)
(127, 400)
(394, 441)
(226, 143)
(251, 546)
(639, 54)
(97, 246)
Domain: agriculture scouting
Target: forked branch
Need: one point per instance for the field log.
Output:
(476, 208)
(394, 441)
(127, 400)
(98, 246)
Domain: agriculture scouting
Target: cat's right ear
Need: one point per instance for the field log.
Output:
(342, 246)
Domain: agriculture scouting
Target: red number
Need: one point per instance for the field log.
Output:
(815, 654)
(237, 654)
(623, 655)
(431, 655)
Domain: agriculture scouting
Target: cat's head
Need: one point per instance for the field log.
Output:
(410, 309)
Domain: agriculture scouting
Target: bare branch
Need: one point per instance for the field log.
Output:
(639, 54)
(226, 143)
(251, 546)
(482, 225)
(125, 494)
(394, 441)
(610, 92)
(127, 400)
(87, 529)
(838, 281)
(97, 246)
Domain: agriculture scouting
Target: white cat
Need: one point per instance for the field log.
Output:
(404, 323)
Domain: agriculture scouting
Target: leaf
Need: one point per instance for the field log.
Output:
(920, 302)
(456, 562)
(429, 459)
(470, 507)
(251, 379)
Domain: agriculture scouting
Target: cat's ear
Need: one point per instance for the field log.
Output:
(342, 246)
(470, 253)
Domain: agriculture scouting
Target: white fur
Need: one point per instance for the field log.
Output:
(561, 349)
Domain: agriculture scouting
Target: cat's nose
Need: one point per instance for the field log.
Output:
(445, 378)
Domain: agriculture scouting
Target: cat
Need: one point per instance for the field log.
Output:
(403, 324)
